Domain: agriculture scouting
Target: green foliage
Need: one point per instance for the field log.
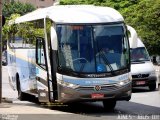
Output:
(112, 3)
(7, 28)
(145, 18)
(143, 15)
(16, 8)
(11, 11)
(75, 2)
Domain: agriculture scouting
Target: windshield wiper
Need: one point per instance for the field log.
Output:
(106, 61)
(64, 69)
(138, 61)
(82, 67)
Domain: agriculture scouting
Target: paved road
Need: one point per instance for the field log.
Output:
(143, 105)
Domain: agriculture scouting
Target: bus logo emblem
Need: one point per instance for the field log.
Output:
(97, 88)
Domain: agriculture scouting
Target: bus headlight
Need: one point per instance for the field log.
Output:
(66, 84)
(124, 82)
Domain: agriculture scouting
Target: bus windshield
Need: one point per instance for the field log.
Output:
(139, 54)
(97, 48)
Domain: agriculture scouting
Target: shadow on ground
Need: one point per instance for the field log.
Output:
(141, 89)
(96, 108)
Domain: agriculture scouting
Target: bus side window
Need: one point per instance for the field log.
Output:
(40, 52)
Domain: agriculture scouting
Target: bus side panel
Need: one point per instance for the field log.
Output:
(25, 68)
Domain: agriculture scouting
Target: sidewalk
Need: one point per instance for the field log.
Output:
(11, 105)
(14, 106)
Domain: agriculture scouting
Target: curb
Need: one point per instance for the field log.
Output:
(7, 100)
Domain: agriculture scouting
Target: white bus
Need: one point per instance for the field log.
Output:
(71, 53)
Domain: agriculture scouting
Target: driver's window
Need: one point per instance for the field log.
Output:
(40, 53)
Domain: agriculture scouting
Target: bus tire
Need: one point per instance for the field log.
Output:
(21, 95)
(152, 87)
(109, 105)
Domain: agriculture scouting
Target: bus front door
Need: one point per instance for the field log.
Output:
(41, 71)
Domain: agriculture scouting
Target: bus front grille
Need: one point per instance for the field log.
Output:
(103, 88)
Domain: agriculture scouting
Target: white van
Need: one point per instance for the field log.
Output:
(142, 69)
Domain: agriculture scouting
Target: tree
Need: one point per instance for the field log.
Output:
(7, 28)
(11, 11)
(16, 8)
(145, 18)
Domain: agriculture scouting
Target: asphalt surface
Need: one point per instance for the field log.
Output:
(144, 104)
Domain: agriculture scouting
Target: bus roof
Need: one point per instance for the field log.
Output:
(74, 14)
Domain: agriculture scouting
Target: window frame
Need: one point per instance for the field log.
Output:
(42, 47)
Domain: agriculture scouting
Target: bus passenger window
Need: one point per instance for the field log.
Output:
(40, 53)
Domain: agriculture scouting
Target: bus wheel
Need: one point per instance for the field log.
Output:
(152, 87)
(109, 105)
(21, 95)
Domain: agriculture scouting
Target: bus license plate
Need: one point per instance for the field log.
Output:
(140, 82)
(97, 95)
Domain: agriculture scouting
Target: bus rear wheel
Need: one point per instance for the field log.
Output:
(109, 105)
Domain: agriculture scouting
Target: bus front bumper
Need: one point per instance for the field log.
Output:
(87, 94)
